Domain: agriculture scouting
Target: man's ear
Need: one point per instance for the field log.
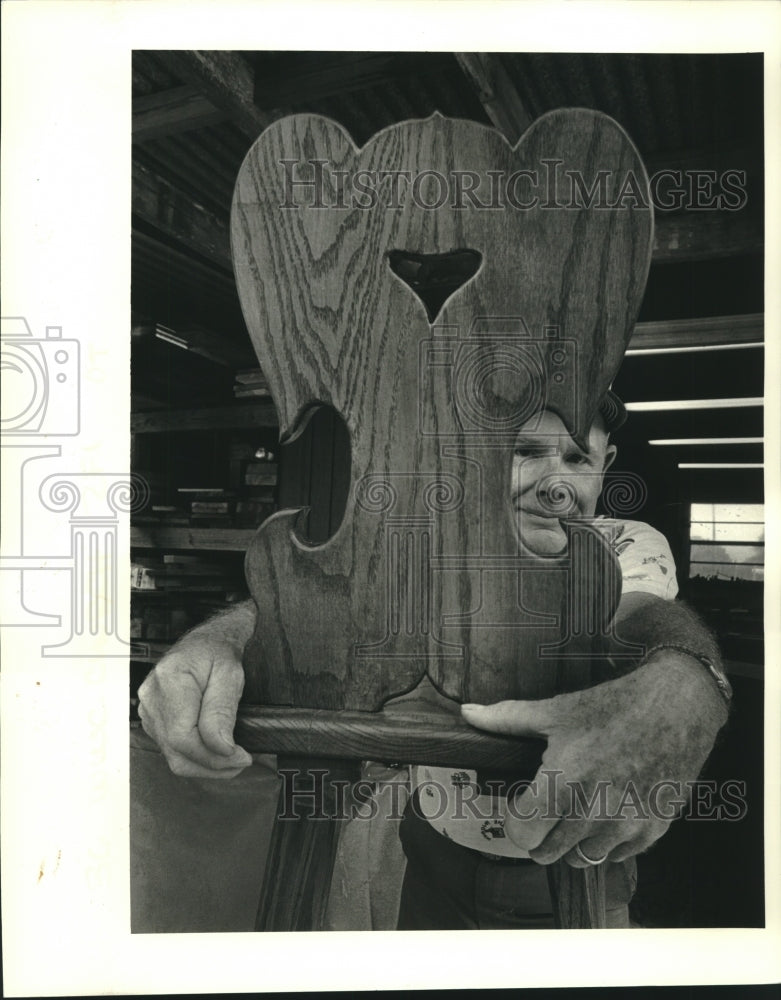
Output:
(610, 455)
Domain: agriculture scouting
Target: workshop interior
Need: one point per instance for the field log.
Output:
(205, 433)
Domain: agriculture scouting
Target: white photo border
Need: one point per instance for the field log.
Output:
(65, 218)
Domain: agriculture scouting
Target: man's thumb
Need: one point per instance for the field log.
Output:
(511, 718)
(218, 710)
(216, 729)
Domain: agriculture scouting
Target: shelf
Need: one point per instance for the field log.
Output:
(196, 593)
(148, 650)
(245, 415)
(217, 539)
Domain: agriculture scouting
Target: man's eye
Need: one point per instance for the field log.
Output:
(576, 458)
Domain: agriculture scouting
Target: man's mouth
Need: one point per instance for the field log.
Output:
(545, 515)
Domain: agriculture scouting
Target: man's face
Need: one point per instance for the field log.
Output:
(552, 478)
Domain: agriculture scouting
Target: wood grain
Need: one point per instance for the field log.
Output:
(297, 878)
(425, 575)
(425, 580)
(578, 895)
(421, 738)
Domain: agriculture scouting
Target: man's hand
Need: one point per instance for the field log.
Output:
(188, 706)
(633, 743)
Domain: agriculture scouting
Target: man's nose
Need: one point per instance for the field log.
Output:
(550, 468)
(556, 486)
(538, 471)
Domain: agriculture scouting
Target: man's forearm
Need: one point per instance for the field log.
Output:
(655, 622)
(230, 628)
(674, 640)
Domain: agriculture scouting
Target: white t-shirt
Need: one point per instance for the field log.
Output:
(448, 796)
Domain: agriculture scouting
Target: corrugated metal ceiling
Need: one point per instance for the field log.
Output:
(667, 104)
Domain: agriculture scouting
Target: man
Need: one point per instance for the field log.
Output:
(482, 873)
(654, 725)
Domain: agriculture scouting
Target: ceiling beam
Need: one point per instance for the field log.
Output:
(175, 215)
(178, 109)
(645, 426)
(496, 92)
(714, 331)
(712, 453)
(176, 272)
(303, 76)
(706, 235)
(227, 80)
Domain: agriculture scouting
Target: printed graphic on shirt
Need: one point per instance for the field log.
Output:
(644, 556)
(452, 803)
(492, 828)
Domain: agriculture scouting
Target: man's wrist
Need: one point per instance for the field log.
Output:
(708, 665)
(225, 633)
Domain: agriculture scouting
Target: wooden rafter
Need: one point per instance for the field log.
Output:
(174, 214)
(227, 80)
(168, 112)
(715, 331)
(496, 92)
(324, 75)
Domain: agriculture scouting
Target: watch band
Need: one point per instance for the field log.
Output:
(718, 675)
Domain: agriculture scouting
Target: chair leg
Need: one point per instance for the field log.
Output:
(578, 895)
(310, 810)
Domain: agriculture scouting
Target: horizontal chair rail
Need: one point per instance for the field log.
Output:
(413, 738)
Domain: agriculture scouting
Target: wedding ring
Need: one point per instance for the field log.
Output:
(587, 859)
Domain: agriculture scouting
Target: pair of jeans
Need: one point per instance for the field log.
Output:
(449, 887)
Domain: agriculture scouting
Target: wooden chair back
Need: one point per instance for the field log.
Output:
(438, 288)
